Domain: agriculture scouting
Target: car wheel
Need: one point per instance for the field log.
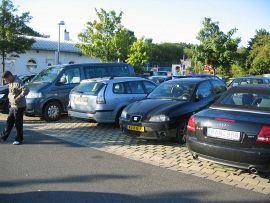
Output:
(180, 133)
(52, 111)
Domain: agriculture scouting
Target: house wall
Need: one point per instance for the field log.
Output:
(20, 66)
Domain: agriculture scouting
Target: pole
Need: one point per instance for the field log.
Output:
(58, 48)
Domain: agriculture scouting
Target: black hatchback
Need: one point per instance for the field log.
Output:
(235, 130)
(166, 110)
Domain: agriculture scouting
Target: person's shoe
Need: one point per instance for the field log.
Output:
(16, 143)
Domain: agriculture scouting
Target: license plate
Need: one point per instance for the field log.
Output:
(223, 134)
(136, 128)
(82, 99)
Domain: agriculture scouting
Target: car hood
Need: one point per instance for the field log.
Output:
(154, 106)
(37, 87)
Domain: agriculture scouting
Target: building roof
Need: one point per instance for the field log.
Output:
(52, 45)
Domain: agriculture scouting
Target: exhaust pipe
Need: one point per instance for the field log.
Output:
(253, 170)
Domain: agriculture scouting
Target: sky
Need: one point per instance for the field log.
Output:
(162, 20)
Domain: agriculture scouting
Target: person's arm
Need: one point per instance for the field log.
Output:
(24, 92)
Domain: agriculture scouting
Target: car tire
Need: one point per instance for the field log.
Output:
(52, 111)
(118, 116)
(180, 133)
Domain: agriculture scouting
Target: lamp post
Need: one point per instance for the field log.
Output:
(58, 48)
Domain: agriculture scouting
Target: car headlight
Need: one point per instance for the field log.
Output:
(159, 118)
(1, 96)
(32, 95)
(124, 114)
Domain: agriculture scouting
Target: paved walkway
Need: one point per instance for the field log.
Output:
(109, 138)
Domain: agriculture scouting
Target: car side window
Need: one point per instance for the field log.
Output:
(119, 88)
(204, 90)
(70, 76)
(218, 86)
(235, 83)
(92, 72)
(135, 87)
(149, 86)
(119, 71)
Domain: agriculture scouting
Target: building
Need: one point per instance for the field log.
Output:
(44, 53)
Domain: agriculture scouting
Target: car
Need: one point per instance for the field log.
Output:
(4, 102)
(249, 80)
(103, 99)
(200, 76)
(163, 115)
(49, 90)
(235, 130)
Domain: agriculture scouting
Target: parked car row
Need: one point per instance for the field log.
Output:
(231, 126)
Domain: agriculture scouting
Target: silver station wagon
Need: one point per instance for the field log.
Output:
(103, 99)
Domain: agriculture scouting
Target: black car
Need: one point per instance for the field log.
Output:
(165, 111)
(246, 80)
(4, 102)
(235, 130)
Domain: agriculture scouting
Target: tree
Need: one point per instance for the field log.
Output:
(12, 31)
(106, 38)
(139, 54)
(217, 48)
(259, 56)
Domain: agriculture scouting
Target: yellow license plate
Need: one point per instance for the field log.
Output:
(136, 128)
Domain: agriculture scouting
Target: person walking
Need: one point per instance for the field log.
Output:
(16, 96)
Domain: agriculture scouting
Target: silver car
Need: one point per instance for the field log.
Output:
(103, 99)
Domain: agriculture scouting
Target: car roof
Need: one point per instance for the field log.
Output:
(114, 79)
(190, 79)
(254, 88)
(250, 77)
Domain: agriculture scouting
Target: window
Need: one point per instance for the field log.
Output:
(71, 76)
(204, 90)
(135, 87)
(31, 65)
(149, 86)
(250, 100)
(118, 71)
(218, 86)
(91, 88)
(119, 88)
(93, 72)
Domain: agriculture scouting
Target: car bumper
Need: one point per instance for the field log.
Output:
(99, 117)
(34, 106)
(235, 157)
(152, 131)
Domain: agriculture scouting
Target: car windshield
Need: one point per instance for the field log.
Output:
(89, 88)
(173, 90)
(48, 75)
(247, 100)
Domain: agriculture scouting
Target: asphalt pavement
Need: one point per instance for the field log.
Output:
(46, 169)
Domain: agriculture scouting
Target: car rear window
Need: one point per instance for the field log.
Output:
(91, 88)
(247, 100)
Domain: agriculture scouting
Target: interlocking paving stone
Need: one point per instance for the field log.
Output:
(109, 138)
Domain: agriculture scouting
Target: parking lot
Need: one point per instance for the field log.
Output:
(108, 138)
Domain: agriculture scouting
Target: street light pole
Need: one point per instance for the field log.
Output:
(58, 48)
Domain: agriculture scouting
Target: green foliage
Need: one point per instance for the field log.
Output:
(217, 48)
(166, 54)
(259, 55)
(138, 54)
(12, 29)
(106, 38)
(237, 71)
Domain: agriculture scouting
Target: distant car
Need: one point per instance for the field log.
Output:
(249, 80)
(4, 102)
(235, 130)
(160, 76)
(103, 99)
(166, 110)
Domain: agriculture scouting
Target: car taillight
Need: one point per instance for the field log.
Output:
(191, 124)
(264, 134)
(101, 96)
